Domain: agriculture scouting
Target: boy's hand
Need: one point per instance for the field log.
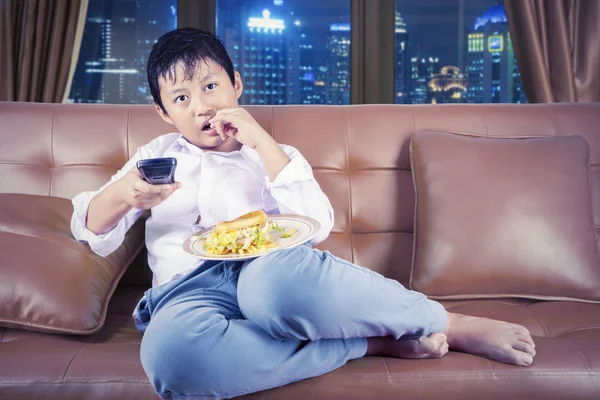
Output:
(239, 124)
(138, 193)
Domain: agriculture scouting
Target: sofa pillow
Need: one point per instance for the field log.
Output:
(503, 217)
(50, 282)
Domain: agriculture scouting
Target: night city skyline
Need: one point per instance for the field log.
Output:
(291, 51)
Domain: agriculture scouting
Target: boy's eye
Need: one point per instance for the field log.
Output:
(181, 99)
(210, 86)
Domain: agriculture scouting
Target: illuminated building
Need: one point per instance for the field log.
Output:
(421, 72)
(338, 45)
(491, 65)
(116, 42)
(262, 59)
(403, 66)
(272, 54)
(448, 86)
(308, 73)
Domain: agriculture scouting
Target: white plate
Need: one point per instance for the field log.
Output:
(306, 229)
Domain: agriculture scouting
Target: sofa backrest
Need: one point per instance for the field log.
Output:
(360, 156)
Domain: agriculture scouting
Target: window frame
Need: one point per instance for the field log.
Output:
(372, 48)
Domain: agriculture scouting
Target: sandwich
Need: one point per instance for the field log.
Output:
(247, 234)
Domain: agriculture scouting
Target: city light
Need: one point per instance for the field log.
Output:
(111, 71)
(266, 23)
(298, 65)
(340, 27)
(495, 44)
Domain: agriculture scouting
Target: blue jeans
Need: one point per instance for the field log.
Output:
(232, 328)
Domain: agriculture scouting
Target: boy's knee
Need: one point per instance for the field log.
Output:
(264, 281)
(178, 361)
(268, 273)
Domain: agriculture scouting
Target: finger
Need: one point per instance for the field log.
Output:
(168, 190)
(145, 188)
(219, 128)
(134, 171)
(228, 110)
(226, 117)
(165, 191)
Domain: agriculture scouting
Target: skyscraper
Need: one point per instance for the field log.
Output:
(403, 66)
(491, 64)
(338, 44)
(421, 72)
(475, 55)
(308, 73)
(117, 40)
(262, 56)
(313, 56)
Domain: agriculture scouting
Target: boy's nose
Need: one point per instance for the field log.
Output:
(203, 109)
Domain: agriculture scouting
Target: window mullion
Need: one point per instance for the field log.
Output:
(201, 14)
(372, 51)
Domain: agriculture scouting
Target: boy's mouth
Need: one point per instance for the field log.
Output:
(209, 130)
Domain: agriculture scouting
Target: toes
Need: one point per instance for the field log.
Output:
(437, 353)
(430, 343)
(520, 329)
(524, 347)
(526, 339)
(525, 359)
(444, 349)
(438, 338)
(516, 357)
(441, 346)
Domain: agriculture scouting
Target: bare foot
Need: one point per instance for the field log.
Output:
(497, 340)
(432, 346)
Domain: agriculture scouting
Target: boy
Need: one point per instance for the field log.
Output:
(223, 329)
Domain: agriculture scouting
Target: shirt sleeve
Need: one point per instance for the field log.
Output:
(296, 191)
(105, 243)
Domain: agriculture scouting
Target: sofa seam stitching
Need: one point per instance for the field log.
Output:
(461, 374)
(546, 330)
(580, 353)
(73, 381)
(73, 359)
(416, 207)
(348, 170)
(487, 133)
(576, 330)
(552, 120)
(273, 122)
(385, 365)
(52, 153)
(127, 135)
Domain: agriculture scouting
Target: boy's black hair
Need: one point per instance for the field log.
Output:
(188, 46)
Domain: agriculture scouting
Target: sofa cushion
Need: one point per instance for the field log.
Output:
(51, 282)
(503, 217)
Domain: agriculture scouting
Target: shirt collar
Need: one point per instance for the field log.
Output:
(248, 153)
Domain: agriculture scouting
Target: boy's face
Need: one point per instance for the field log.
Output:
(191, 103)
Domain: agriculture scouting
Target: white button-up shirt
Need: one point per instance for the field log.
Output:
(215, 186)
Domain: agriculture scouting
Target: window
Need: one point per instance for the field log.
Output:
(289, 51)
(117, 39)
(454, 51)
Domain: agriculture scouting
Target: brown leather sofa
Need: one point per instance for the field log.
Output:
(61, 150)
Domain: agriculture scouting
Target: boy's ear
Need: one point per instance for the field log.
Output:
(237, 84)
(163, 114)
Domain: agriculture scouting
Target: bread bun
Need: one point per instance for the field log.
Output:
(247, 220)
